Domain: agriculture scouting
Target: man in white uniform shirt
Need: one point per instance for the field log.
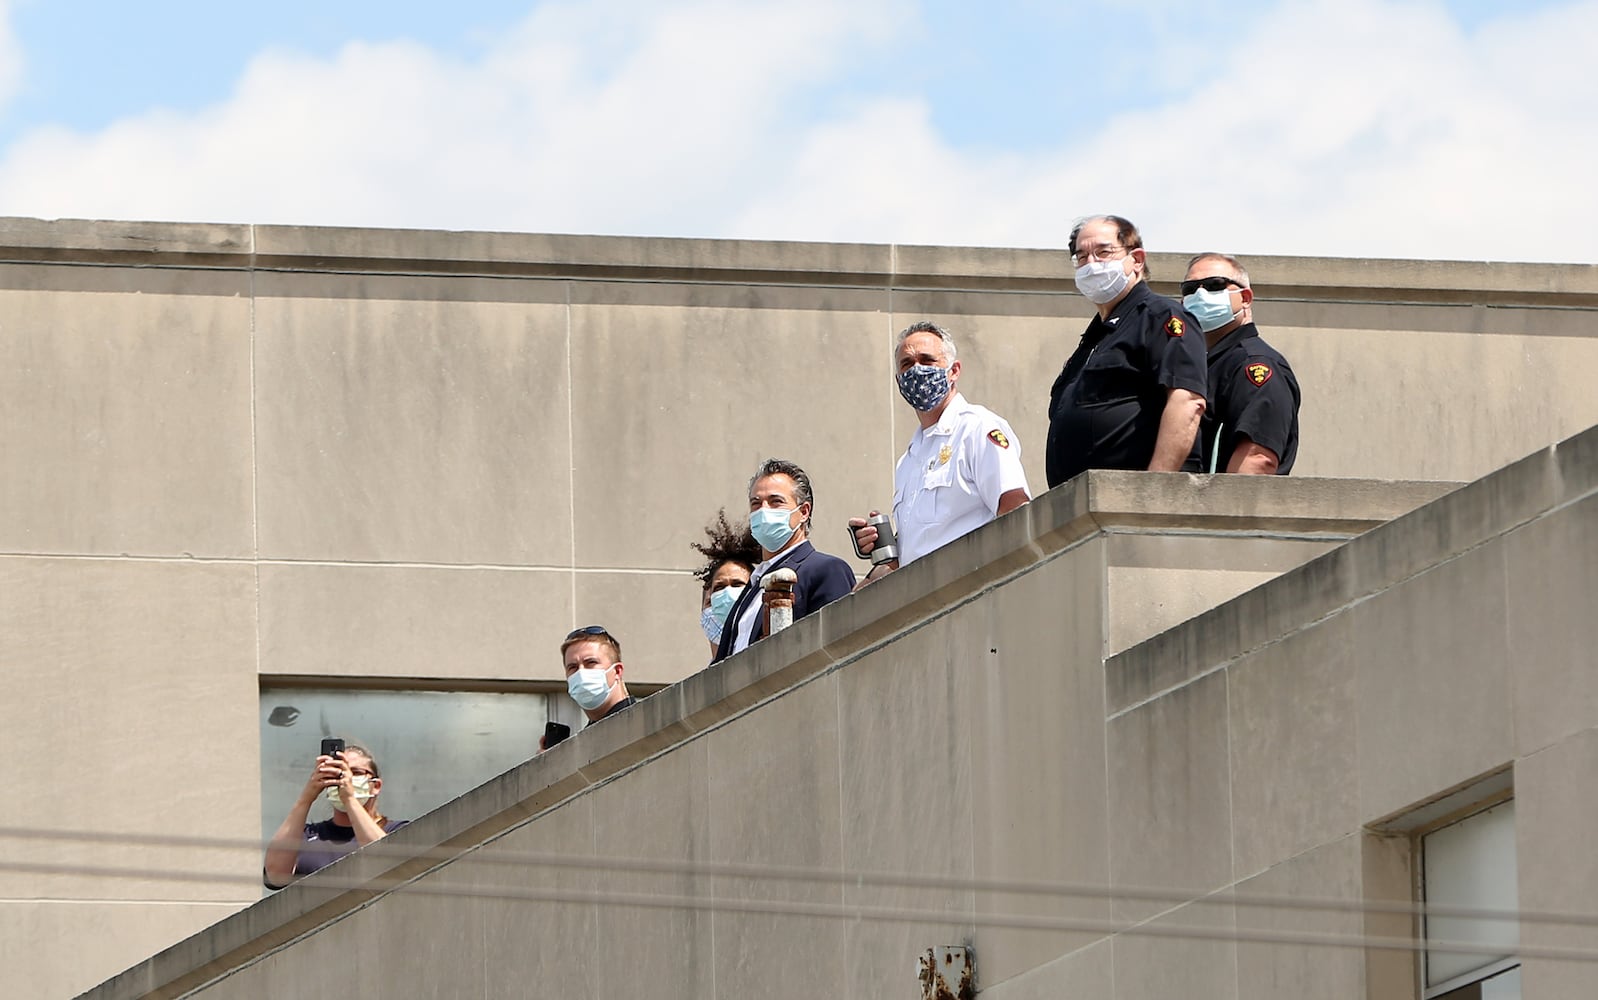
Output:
(963, 466)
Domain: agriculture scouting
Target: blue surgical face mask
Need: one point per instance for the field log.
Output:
(1213, 310)
(588, 687)
(713, 618)
(924, 386)
(770, 527)
(721, 601)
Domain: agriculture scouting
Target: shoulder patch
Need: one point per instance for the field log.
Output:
(1259, 372)
(1174, 326)
(998, 438)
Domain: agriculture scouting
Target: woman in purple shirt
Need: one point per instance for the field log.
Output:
(350, 782)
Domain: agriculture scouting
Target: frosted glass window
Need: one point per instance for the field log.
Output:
(431, 746)
(1471, 863)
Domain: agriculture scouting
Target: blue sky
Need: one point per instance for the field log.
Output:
(1402, 128)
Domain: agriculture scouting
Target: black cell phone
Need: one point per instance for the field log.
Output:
(332, 747)
(554, 732)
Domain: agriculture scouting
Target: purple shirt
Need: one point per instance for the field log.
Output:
(326, 842)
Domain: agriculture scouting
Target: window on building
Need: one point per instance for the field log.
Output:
(431, 746)
(1470, 864)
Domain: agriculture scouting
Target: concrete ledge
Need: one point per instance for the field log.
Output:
(124, 243)
(1040, 532)
(407, 251)
(1254, 504)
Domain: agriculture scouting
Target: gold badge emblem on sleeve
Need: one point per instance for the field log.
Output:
(998, 438)
(1259, 373)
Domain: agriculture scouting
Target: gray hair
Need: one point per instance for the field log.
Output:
(950, 353)
(1126, 235)
(1235, 264)
(801, 482)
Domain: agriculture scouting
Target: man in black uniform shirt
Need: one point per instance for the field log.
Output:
(1251, 425)
(1132, 394)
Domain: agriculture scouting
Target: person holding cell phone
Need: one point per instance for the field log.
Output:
(592, 659)
(347, 778)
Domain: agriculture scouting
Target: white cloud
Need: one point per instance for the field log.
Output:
(1353, 127)
(611, 117)
(1343, 127)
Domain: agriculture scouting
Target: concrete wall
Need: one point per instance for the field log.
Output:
(1273, 743)
(955, 724)
(235, 453)
(411, 435)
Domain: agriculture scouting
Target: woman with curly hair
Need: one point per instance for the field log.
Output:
(731, 554)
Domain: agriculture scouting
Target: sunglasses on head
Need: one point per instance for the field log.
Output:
(1216, 284)
(587, 630)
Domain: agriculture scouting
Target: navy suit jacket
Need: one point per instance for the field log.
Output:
(822, 580)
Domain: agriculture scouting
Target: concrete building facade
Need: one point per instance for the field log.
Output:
(1230, 808)
(234, 458)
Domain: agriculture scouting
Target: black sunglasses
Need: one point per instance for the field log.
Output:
(1216, 284)
(586, 630)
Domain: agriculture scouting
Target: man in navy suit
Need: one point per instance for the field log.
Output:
(780, 502)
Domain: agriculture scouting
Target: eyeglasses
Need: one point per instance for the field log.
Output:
(586, 630)
(361, 772)
(1105, 252)
(1217, 283)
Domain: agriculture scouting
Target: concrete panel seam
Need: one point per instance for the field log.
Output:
(653, 276)
(157, 262)
(1191, 679)
(1559, 742)
(1240, 878)
(141, 901)
(571, 449)
(1104, 739)
(350, 563)
(1460, 301)
(130, 557)
(1127, 530)
(255, 464)
(1231, 781)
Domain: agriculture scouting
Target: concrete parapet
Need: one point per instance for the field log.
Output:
(1000, 587)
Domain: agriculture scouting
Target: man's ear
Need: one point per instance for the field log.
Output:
(954, 371)
(618, 668)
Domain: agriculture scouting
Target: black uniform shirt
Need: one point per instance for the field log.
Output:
(1106, 404)
(1253, 394)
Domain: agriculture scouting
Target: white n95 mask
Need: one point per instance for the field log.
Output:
(363, 791)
